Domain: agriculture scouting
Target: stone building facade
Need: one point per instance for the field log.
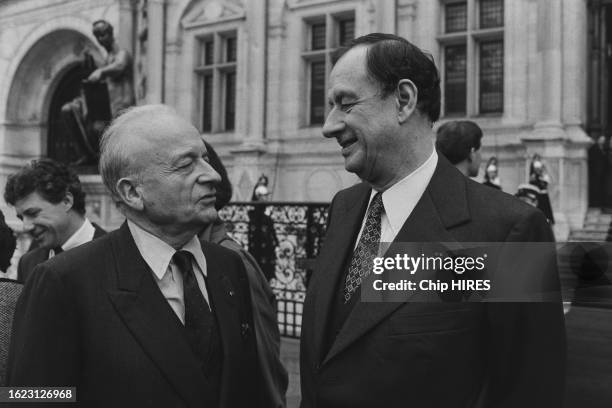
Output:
(251, 76)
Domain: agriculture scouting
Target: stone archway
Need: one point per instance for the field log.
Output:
(40, 73)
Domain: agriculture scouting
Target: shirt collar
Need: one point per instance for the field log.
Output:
(400, 199)
(84, 234)
(158, 254)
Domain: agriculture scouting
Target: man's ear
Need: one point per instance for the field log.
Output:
(407, 96)
(68, 201)
(471, 155)
(130, 194)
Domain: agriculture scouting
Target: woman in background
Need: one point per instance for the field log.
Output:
(491, 176)
(262, 236)
(538, 176)
(261, 191)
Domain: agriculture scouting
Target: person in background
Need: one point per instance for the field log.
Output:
(274, 374)
(491, 175)
(262, 236)
(10, 290)
(459, 141)
(538, 176)
(598, 165)
(8, 244)
(261, 191)
(48, 198)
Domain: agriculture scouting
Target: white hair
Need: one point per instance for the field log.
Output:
(129, 126)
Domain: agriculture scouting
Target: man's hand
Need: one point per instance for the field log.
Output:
(95, 76)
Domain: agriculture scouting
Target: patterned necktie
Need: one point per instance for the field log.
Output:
(366, 250)
(198, 316)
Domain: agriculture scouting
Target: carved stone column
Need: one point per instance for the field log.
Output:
(558, 135)
(406, 17)
(124, 33)
(256, 55)
(550, 74)
(252, 99)
(155, 51)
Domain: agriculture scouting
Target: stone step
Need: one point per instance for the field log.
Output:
(596, 226)
(603, 227)
(586, 236)
(604, 219)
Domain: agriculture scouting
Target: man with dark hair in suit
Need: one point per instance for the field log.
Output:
(384, 95)
(459, 142)
(146, 316)
(48, 198)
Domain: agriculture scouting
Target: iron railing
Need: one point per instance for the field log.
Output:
(284, 238)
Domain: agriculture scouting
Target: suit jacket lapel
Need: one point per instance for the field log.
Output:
(226, 309)
(29, 261)
(331, 261)
(153, 323)
(442, 206)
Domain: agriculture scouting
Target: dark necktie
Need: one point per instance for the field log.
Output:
(367, 248)
(198, 317)
(58, 250)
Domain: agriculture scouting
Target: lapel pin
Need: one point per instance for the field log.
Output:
(244, 329)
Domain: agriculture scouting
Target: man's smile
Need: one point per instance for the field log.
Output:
(38, 234)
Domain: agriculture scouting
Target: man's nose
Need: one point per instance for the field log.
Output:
(208, 174)
(28, 225)
(333, 124)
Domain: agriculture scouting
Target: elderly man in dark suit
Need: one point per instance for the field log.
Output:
(48, 198)
(384, 95)
(146, 315)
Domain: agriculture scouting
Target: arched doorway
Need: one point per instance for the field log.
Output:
(59, 145)
(46, 77)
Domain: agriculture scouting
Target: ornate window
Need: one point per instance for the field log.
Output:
(216, 71)
(325, 34)
(472, 43)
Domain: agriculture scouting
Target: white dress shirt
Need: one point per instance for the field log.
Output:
(84, 234)
(158, 255)
(400, 199)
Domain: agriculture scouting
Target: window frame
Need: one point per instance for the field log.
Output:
(472, 37)
(219, 69)
(333, 21)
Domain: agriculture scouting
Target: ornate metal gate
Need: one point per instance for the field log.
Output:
(284, 238)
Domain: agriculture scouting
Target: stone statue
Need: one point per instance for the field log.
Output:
(105, 92)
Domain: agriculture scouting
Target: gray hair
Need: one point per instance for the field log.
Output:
(115, 160)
